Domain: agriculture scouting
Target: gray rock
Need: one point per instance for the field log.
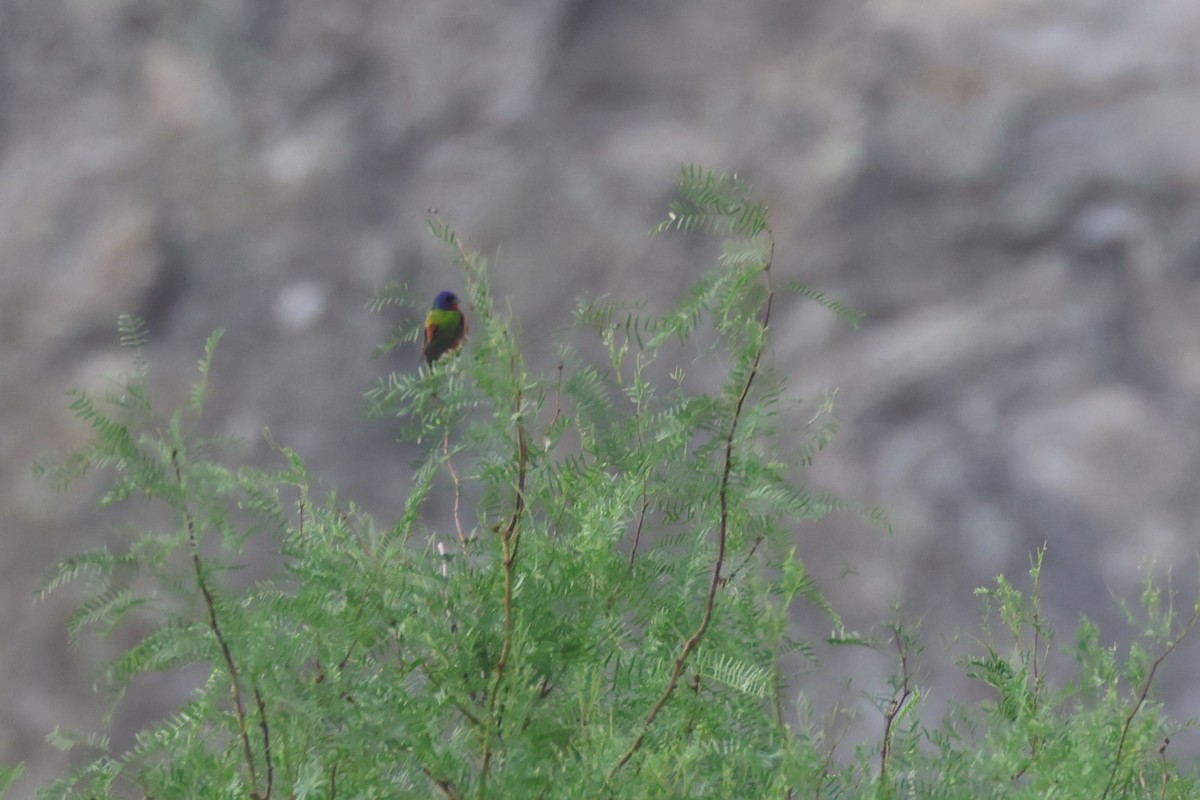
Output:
(1008, 189)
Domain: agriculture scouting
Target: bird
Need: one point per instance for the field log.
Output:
(445, 327)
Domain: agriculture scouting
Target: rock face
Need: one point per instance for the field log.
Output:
(1010, 190)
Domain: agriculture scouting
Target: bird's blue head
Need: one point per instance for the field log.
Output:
(446, 301)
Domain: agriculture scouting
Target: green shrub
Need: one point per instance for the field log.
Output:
(604, 609)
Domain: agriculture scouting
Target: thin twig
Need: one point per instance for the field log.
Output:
(899, 701)
(215, 627)
(1035, 667)
(777, 695)
(637, 534)
(466, 712)
(1141, 699)
(447, 787)
(266, 737)
(462, 539)
(558, 410)
(557, 397)
(716, 580)
(510, 539)
(837, 740)
(457, 493)
(1162, 759)
(733, 573)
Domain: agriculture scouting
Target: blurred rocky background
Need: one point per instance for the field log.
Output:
(1010, 189)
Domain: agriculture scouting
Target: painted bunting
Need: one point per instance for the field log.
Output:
(445, 327)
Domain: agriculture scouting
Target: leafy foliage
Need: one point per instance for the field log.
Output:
(602, 613)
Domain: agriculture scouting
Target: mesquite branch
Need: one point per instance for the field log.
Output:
(716, 580)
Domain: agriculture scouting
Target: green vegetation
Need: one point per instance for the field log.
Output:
(603, 608)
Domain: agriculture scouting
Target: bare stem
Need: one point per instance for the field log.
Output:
(716, 581)
(1143, 693)
(900, 699)
(510, 539)
(215, 626)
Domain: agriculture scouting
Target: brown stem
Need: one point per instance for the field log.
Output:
(1141, 698)
(510, 539)
(716, 581)
(637, 534)
(899, 701)
(446, 787)
(828, 762)
(215, 627)
(266, 737)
